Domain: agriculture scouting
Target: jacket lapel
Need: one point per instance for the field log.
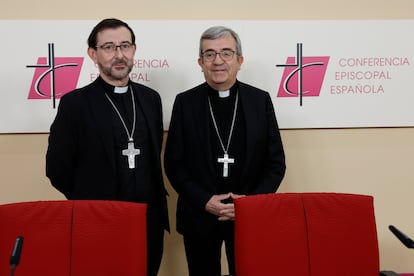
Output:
(102, 116)
(251, 118)
(150, 115)
(201, 111)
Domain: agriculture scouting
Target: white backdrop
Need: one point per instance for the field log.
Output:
(353, 73)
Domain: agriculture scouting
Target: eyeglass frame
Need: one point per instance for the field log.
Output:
(220, 54)
(114, 47)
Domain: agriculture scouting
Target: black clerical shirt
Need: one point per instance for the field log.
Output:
(223, 109)
(133, 184)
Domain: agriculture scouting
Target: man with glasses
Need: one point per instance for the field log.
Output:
(223, 143)
(105, 142)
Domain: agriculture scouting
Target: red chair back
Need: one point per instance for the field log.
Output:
(307, 234)
(46, 228)
(76, 238)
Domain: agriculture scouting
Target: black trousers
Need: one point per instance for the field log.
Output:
(203, 251)
(155, 243)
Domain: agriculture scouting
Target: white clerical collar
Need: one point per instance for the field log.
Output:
(120, 89)
(224, 94)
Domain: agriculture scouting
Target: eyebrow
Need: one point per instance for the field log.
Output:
(220, 50)
(111, 42)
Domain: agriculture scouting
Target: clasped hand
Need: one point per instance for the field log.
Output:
(217, 207)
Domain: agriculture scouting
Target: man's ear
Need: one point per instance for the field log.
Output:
(92, 55)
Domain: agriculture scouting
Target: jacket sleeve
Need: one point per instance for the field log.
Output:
(274, 166)
(62, 146)
(177, 164)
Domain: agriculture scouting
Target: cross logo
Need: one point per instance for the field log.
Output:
(303, 76)
(54, 76)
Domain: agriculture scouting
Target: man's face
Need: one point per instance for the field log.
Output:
(116, 64)
(220, 74)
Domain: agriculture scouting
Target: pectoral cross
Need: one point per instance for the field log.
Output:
(225, 160)
(131, 152)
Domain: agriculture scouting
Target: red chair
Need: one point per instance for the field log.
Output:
(306, 234)
(76, 238)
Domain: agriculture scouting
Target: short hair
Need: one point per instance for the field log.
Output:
(108, 23)
(220, 31)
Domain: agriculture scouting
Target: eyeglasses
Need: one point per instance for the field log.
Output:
(211, 55)
(110, 47)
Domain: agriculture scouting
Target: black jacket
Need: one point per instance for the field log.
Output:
(188, 156)
(80, 160)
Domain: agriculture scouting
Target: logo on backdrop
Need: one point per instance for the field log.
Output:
(54, 76)
(303, 76)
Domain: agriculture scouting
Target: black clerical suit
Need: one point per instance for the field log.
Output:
(192, 150)
(84, 158)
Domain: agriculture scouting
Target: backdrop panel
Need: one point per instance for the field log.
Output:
(320, 74)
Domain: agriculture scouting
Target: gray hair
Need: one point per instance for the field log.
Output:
(220, 31)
